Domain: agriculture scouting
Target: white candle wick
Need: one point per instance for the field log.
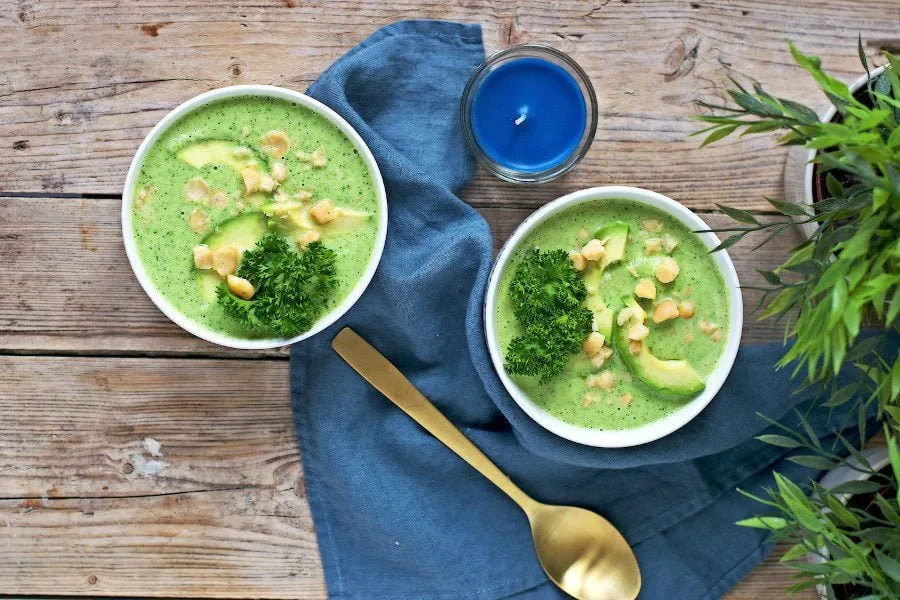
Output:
(520, 120)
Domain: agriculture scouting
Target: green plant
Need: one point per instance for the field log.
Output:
(546, 295)
(292, 289)
(845, 275)
(856, 543)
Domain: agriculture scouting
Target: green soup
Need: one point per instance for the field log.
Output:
(699, 339)
(168, 222)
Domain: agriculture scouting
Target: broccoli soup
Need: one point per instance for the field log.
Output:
(611, 315)
(254, 216)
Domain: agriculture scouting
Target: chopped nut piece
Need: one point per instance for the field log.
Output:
(638, 332)
(275, 143)
(588, 399)
(241, 152)
(323, 211)
(319, 159)
(251, 179)
(583, 234)
(669, 242)
(686, 309)
(598, 359)
(279, 171)
(592, 343)
(143, 196)
(706, 327)
(198, 221)
(624, 315)
(267, 183)
(606, 380)
(307, 237)
(203, 257)
(667, 270)
(652, 245)
(687, 291)
(626, 399)
(651, 225)
(240, 287)
(245, 131)
(645, 289)
(632, 270)
(579, 262)
(280, 195)
(635, 347)
(303, 196)
(593, 250)
(665, 310)
(688, 337)
(316, 158)
(196, 190)
(219, 199)
(225, 260)
(716, 335)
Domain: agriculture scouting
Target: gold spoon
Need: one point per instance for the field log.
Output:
(580, 551)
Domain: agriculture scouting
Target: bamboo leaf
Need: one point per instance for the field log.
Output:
(728, 242)
(741, 216)
(788, 208)
(771, 523)
(718, 134)
(779, 440)
(890, 566)
(813, 462)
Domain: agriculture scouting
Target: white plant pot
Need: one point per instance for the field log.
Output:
(798, 170)
(878, 459)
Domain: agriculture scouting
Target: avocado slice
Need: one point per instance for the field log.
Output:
(242, 232)
(616, 235)
(603, 315)
(636, 309)
(223, 152)
(294, 216)
(674, 379)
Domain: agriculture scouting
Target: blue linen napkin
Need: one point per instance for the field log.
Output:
(398, 516)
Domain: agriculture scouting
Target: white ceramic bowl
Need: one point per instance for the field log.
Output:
(128, 198)
(656, 429)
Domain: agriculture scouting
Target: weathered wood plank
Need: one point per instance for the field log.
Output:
(223, 513)
(73, 289)
(82, 83)
(88, 506)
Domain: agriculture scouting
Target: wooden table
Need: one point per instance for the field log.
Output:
(89, 368)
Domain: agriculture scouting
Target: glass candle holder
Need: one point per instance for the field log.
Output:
(529, 113)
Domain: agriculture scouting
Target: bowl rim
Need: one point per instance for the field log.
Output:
(655, 429)
(216, 95)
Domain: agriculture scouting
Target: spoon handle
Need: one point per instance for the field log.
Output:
(387, 379)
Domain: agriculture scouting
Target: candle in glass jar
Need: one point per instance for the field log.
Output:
(529, 113)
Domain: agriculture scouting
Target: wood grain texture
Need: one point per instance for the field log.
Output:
(74, 291)
(87, 508)
(82, 83)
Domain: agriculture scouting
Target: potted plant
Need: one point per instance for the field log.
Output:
(846, 273)
(804, 182)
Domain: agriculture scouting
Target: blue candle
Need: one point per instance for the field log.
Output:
(529, 113)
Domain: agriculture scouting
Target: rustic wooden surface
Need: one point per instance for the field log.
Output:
(89, 368)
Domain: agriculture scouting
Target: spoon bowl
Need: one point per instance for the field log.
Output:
(580, 551)
(583, 553)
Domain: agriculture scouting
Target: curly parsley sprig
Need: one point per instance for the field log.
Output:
(292, 288)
